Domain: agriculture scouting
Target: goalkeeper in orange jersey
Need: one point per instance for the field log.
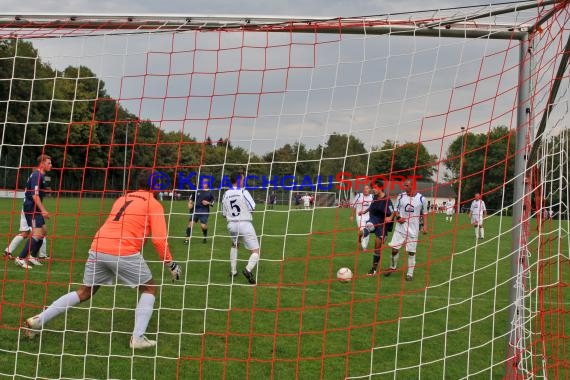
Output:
(116, 255)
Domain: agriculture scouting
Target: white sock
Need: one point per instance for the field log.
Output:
(143, 313)
(59, 306)
(482, 232)
(252, 262)
(476, 232)
(395, 260)
(233, 259)
(43, 248)
(411, 264)
(16, 240)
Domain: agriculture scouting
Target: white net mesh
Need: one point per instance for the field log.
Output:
(310, 108)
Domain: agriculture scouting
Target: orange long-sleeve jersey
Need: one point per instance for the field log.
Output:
(132, 218)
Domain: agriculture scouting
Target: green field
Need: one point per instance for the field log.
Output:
(298, 322)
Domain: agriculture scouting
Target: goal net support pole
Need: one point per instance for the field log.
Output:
(518, 260)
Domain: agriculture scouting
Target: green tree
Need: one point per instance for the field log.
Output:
(409, 159)
(23, 116)
(555, 167)
(487, 165)
(292, 159)
(282, 160)
(344, 153)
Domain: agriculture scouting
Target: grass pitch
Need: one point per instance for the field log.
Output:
(451, 321)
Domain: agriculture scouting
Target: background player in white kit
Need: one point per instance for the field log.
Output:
(237, 205)
(360, 206)
(306, 201)
(477, 213)
(449, 209)
(410, 207)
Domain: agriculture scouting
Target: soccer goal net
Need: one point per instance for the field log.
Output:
(468, 104)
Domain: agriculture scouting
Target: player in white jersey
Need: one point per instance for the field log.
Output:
(410, 207)
(360, 206)
(306, 201)
(237, 205)
(477, 213)
(449, 209)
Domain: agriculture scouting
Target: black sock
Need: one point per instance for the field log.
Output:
(36, 245)
(26, 249)
(375, 260)
(32, 247)
(205, 232)
(188, 231)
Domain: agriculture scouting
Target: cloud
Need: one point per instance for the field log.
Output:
(262, 92)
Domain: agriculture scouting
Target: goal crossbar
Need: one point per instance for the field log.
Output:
(452, 27)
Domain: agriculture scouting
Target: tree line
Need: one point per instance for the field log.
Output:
(91, 137)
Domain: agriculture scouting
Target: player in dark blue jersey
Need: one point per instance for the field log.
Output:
(380, 208)
(199, 209)
(35, 213)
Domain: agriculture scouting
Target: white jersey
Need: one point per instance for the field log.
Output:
(478, 210)
(450, 207)
(362, 202)
(306, 200)
(410, 209)
(237, 205)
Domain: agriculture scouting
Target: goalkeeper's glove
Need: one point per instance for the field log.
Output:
(175, 270)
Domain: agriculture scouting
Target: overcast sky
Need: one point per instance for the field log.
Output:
(374, 87)
(217, 7)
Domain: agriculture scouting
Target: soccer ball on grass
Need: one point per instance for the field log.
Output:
(344, 274)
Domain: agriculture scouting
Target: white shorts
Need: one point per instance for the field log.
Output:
(24, 227)
(246, 232)
(105, 269)
(475, 221)
(449, 212)
(399, 239)
(361, 220)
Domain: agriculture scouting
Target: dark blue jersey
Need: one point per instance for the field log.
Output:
(380, 209)
(202, 195)
(35, 186)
